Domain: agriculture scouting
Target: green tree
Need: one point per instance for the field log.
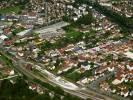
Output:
(85, 19)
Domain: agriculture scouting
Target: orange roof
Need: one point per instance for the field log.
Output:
(32, 14)
(7, 30)
(101, 69)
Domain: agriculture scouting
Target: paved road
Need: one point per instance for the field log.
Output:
(52, 28)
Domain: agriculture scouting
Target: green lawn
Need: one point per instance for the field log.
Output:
(15, 9)
(17, 30)
(75, 76)
(73, 34)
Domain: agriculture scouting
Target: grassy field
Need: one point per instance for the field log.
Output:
(15, 9)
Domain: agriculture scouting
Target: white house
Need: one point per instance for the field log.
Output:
(3, 37)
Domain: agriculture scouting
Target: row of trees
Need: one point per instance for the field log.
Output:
(123, 21)
(20, 91)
